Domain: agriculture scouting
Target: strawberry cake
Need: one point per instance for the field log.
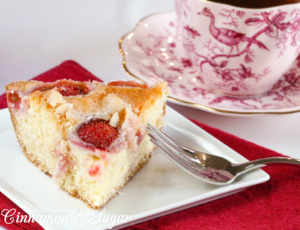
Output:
(89, 136)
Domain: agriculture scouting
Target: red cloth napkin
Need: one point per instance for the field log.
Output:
(271, 205)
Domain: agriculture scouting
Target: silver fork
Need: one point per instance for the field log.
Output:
(210, 168)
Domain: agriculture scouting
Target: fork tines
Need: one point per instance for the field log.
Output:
(171, 149)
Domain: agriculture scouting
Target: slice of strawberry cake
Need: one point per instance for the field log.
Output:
(90, 137)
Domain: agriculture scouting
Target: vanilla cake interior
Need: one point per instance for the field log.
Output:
(90, 137)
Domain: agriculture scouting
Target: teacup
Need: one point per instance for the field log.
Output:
(239, 52)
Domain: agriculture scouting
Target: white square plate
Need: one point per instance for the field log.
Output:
(160, 188)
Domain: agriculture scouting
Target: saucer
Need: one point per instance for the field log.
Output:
(153, 53)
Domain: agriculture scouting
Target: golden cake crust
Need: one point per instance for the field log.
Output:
(140, 98)
(22, 85)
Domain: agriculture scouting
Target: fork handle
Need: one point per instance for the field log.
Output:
(265, 161)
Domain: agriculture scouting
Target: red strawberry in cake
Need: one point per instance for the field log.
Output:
(90, 137)
(99, 133)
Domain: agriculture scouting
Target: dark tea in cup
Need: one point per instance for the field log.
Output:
(256, 3)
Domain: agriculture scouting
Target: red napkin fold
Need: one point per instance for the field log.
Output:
(271, 205)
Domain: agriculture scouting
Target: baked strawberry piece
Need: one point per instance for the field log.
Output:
(98, 133)
(90, 137)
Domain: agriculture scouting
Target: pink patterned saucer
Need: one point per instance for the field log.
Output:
(153, 53)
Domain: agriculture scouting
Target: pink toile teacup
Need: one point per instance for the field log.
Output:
(239, 52)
